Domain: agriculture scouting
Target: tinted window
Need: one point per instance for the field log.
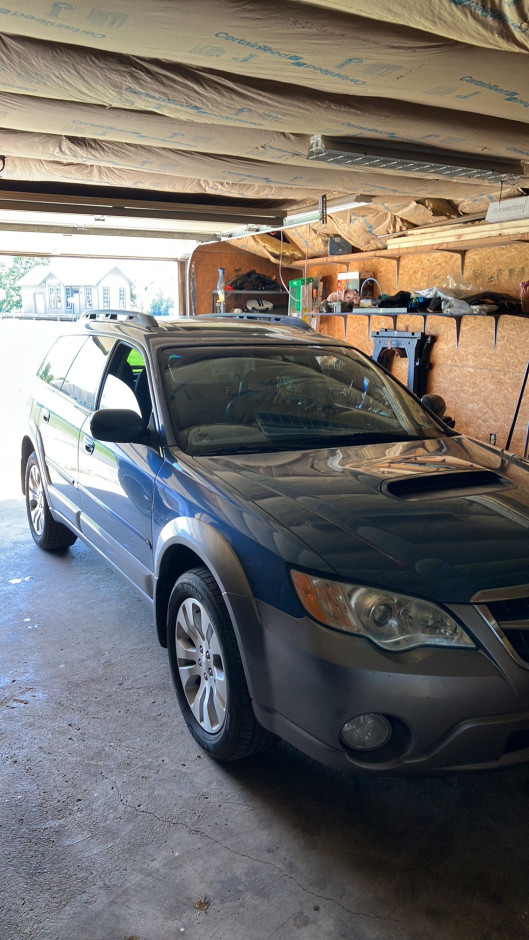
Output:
(84, 375)
(275, 398)
(59, 359)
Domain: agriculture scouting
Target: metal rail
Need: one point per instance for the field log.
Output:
(144, 319)
(295, 322)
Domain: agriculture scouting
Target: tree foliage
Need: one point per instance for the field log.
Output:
(10, 273)
(161, 306)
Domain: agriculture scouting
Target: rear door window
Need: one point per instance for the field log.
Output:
(59, 359)
(84, 375)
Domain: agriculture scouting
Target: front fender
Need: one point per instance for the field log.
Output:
(214, 550)
(185, 542)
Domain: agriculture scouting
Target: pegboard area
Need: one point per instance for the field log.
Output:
(479, 381)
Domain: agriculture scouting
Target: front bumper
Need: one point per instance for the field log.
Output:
(462, 709)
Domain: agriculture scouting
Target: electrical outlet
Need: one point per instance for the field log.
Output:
(492, 438)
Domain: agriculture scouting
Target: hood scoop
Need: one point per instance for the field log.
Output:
(445, 484)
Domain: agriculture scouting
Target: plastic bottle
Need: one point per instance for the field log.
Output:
(221, 295)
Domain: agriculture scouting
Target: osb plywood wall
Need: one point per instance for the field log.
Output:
(207, 259)
(479, 382)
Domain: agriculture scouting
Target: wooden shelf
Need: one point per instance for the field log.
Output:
(259, 290)
(459, 233)
(247, 294)
(383, 253)
(457, 237)
(393, 313)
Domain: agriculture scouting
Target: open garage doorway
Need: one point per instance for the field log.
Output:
(58, 288)
(42, 298)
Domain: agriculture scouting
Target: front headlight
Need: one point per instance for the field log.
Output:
(393, 621)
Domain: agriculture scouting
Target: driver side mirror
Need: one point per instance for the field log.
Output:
(120, 426)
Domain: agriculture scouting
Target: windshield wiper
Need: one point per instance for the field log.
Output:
(309, 441)
(348, 437)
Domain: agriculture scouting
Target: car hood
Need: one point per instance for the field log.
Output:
(443, 518)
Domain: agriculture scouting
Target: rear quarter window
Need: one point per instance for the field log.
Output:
(59, 359)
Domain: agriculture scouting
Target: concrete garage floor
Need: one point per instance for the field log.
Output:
(114, 826)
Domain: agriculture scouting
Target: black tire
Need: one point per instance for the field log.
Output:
(207, 670)
(48, 534)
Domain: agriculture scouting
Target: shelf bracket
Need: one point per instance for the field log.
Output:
(461, 254)
(496, 325)
(457, 321)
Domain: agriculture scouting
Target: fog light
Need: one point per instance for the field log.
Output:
(366, 732)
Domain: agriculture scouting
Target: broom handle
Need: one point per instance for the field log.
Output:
(517, 409)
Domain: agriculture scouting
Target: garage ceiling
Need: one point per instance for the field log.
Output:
(199, 117)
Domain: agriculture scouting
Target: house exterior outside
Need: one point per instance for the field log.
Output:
(63, 291)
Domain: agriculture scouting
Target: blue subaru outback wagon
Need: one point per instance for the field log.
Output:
(326, 561)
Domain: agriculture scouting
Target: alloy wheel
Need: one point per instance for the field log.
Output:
(200, 664)
(36, 500)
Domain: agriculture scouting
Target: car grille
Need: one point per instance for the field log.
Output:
(512, 617)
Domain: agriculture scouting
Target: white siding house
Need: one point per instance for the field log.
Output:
(65, 290)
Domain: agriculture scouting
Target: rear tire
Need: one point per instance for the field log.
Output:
(48, 534)
(207, 670)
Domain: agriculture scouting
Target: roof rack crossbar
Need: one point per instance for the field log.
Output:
(133, 316)
(295, 322)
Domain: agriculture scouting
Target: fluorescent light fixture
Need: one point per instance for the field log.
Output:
(312, 213)
(309, 215)
(354, 203)
(348, 276)
(412, 160)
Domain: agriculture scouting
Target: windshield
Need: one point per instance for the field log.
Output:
(225, 401)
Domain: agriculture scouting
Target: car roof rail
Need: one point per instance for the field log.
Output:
(129, 316)
(295, 322)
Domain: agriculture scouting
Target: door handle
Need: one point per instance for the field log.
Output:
(88, 444)
(45, 414)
